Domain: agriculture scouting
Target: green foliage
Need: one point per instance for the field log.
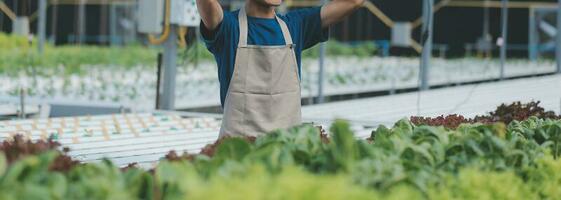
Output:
(335, 48)
(472, 183)
(545, 178)
(474, 161)
(11, 42)
(541, 181)
(291, 183)
(233, 148)
(343, 146)
(173, 179)
(18, 54)
(97, 181)
(29, 179)
(138, 182)
(71, 59)
(195, 52)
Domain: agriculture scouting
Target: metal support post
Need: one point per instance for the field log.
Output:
(539, 18)
(321, 73)
(159, 82)
(42, 25)
(558, 49)
(54, 19)
(532, 35)
(485, 20)
(426, 40)
(170, 70)
(486, 35)
(81, 21)
(504, 24)
(22, 94)
(16, 8)
(113, 24)
(131, 31)
(103, 23)
(197, 45)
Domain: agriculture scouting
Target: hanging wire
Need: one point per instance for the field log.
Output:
(466, 100)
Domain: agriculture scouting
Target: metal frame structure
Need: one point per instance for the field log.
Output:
(41, 16)
(426, 41)
(42, 25)
(167, 98)
(504, 37)
(537, 25)
(427, 31)
(558, 52)
(320, 97)
(429, 8)
(485, 43)
(427, 19)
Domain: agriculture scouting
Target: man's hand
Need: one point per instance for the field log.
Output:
(337, 10)
(211, 13)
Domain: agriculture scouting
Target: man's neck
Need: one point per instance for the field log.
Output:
(255, 9)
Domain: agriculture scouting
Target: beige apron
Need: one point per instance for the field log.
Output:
(264, 92)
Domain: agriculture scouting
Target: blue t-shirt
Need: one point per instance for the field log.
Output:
(304, 26)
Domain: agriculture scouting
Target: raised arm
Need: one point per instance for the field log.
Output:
(211, 13)
(337, 10)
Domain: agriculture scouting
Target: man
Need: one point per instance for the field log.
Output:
(259, 54)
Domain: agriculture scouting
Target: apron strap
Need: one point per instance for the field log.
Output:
(285, 31)
(242, 18)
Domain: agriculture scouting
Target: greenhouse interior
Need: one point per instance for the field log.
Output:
(280, 99)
